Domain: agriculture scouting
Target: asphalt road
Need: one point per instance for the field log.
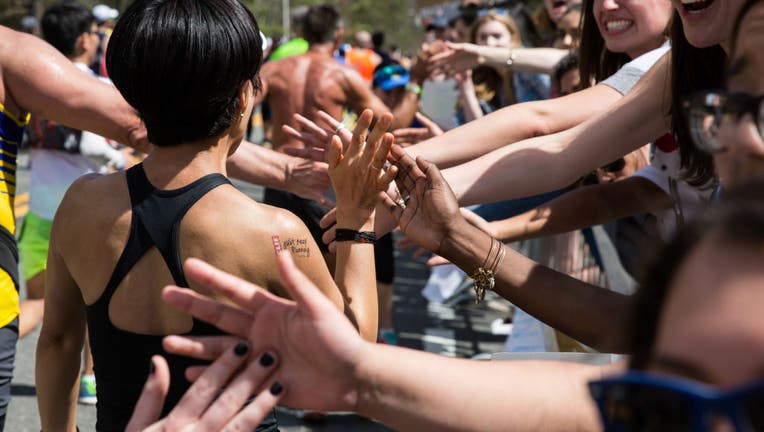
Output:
(462, 330)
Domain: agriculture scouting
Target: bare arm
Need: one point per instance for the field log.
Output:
(59, 346)
(432, 219)
(584, 207)
(361, 97)
(547, 163)
(256, 164)
(45, 82)
(514, 123)
(460, 57)
(402, 388)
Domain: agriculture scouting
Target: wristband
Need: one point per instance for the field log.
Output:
(343, 234)
(414, 88)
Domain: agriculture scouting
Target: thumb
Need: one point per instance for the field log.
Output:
(149, 406)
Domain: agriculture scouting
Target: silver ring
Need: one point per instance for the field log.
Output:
(339, 128)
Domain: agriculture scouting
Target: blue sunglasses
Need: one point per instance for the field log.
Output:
(640, 402)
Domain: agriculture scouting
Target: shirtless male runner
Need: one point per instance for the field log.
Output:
(316, 81)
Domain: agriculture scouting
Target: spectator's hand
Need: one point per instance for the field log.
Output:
(357, 172)
(429, 210)
(315, 136)
(318, 351)
(203, 407)
(310, 180)
(456, 58)
(405, 137)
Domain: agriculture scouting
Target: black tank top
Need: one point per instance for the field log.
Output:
(122, 358)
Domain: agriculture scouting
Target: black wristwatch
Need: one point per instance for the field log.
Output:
(343, 234)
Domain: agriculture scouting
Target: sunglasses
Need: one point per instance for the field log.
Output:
(641, 402)
(707, 110)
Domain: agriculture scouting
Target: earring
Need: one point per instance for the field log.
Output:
(242, 114)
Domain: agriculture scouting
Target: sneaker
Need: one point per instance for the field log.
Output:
(87, 390)
(387, 336)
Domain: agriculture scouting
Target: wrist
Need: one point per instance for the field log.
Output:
(465, 245)
(357, 219)
(414, 87)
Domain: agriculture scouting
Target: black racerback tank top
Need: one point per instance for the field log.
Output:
(122, 358)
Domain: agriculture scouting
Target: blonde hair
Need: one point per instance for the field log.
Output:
(508, 22)
(487, 80)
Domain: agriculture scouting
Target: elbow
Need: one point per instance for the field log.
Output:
(539, 122)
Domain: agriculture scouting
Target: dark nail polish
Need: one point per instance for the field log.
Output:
(151, 367)
(241, 349)
(276, 388)
(266, 360)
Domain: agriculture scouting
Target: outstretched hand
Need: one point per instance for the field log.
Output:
(409, 136)
(430, 210)
(201, 408)
(316, 135)
(318, 351)
(455, 59)
(357, 172)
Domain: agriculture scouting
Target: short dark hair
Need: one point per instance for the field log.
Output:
(63, 23)
(181, 64)
(738, 220)
(321, 23)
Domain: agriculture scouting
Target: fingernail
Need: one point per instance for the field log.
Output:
(276, 388)
(241, 349)
(152, 368)
(266, 360)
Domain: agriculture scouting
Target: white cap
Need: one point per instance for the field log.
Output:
(102, 12)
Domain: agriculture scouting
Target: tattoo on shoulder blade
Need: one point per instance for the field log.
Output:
(297, 246)
(276, 244)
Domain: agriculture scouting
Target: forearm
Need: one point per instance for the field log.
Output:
(258, 165)
(531, 60)
(584, 207)
(593, 315)
(515, 123)
(356, 279)
(56, 372)
(411, 390)
(481, 136)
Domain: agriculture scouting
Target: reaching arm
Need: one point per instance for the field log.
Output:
(514, 123)
(432, 219)
(547, 163)
(45, 82)
(460, 57)
(59, 346)
(584, 207)
(401, 388)
(360, 97)
(256, 164)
